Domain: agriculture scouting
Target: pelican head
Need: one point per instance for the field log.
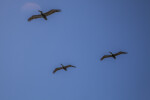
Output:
(110, 52)
(62, 65)
(73, 66)
(40, 11)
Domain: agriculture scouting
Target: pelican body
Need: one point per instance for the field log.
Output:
(112, 55)
(64, 67)
(44, 16)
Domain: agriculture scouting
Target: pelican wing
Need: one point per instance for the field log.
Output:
(106, 56)
(120, 53)
(34, 17)
(70, 66)
(56, 69)
(52, 11)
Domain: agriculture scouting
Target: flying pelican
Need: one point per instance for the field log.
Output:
(43, 15)
(63, 67)
(113, 55)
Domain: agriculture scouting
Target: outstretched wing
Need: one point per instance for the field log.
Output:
(56, 69)
(120, 53)
(106, 56)
(34, 17)
(70, 66)
(52, 11)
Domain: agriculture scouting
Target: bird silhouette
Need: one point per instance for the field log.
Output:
(63, 67)
(113, 55)
(43, 15)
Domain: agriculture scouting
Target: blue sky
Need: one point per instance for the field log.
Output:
(80, 35)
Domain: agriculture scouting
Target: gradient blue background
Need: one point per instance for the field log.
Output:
(83, 32)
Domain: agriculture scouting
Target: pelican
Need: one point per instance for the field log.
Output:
(113, 55)
(63, 67)
(44, 15)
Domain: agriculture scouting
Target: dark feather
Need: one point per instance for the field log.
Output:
(56, 69)
(52, 11)
(34, 17)
(106, 56)
(69, 66)
(120, 53)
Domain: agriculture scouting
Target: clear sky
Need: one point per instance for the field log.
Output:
(80, 35)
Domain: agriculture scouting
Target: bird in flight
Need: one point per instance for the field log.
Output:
(43, 15)
(113, 55)
(63, 67)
